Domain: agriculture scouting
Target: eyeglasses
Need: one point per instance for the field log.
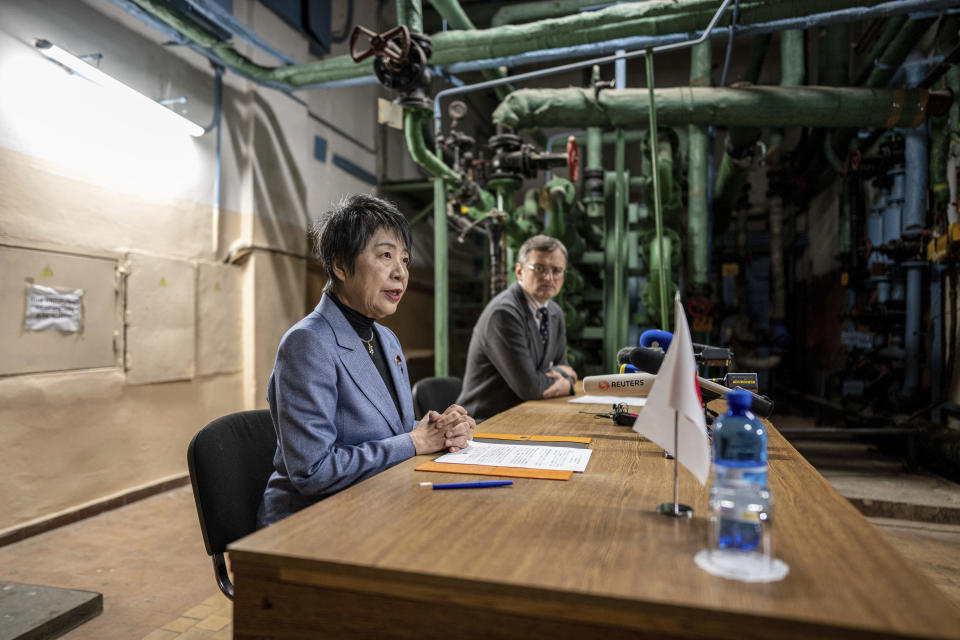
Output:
(542, 270)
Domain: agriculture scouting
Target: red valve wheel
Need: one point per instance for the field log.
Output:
(382, 45)
(573, 158)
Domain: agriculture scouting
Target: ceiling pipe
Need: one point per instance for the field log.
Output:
(456, 17)
(745, 106)
(615, 27)
(531, 11)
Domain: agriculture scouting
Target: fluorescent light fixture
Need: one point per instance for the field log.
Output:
(121, 91)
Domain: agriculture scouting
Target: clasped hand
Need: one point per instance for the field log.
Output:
(452, 430)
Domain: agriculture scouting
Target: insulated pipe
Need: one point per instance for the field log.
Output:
(441, 284)
(413, 118)
(942, 127)
(698, 270)
(456, 17)
(738, 155)
(567, 37)
(746, 106)
(410, 13)
(792, 72)
(896, 53)
(517, 13)
(891, 28)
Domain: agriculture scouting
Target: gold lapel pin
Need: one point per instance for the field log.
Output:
(397, 360)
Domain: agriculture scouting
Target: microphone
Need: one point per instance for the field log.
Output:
(649, 360)
(636, 385)
(704, 353)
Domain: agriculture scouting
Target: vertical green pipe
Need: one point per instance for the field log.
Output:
(658, 213)
(700, 63)
(441, 319)
(410, 13)
(792, 71)
(619, 239)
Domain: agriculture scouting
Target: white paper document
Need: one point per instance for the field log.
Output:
(526, 456)
(631, 402)
(48, 308)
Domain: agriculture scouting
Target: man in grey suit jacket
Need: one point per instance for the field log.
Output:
(518, 350)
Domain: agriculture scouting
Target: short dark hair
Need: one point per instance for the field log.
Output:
(539, 243)
(343, 232)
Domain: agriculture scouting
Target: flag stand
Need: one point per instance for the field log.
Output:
(674, 508)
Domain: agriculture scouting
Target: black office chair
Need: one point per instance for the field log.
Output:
(230, 461)
(434, 393)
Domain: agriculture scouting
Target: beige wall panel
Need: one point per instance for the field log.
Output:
(69, 439)
(218, 319)
(33, 351)
(278, 283)
(40, 205)
(161, 319)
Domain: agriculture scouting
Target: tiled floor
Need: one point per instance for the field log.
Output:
(148, 560)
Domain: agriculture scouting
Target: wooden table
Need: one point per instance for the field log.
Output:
(585, 558)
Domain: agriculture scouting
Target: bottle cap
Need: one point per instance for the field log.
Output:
(739, 399)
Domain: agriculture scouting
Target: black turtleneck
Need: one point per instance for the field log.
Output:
(364, 328)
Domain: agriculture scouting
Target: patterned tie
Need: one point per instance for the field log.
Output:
(544, 324)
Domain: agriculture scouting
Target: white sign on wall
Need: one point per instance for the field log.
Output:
(53, 309)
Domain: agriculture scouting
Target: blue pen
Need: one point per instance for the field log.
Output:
(468, 485)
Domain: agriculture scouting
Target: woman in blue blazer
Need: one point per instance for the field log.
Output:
(339, 393)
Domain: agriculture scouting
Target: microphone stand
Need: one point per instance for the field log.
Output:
(675, 509)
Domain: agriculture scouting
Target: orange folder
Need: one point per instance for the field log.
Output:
(509, 472)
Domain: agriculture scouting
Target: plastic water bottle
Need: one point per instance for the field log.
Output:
(739, 499)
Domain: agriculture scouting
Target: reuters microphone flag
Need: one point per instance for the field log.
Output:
(675, 400)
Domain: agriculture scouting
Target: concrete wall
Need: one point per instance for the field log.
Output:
(196, 293)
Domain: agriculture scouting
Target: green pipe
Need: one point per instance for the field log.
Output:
(530, 11)
(940, 127)
(897, 52)
(614, 290)
(884, 68)
(657, 212)
(745, 106)
(891, 28)
(834, 71)
(758, 53)
(731, 176)
(792, 72)
(410, 13)
(413, 132)
(700, 64)
(792, 68)
(650, 18)
(620, 256)
(441, 317)
(457, 18)
(422, 214)
(666, 246)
